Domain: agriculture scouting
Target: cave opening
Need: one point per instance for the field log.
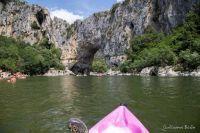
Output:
(40, 15)
(85, 59)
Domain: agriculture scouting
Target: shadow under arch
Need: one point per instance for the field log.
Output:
(86, 53)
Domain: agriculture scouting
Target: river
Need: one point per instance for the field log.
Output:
(44, 104)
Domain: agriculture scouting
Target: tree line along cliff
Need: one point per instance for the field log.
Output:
(106, 35)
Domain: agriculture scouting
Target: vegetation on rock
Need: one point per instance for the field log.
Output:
(70, 31)
(35, 26)
(180, 48)
(17, 56)
(99, 65)
(7, 1)
(126, 2)
(114, 8)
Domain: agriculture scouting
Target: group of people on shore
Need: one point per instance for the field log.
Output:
(11, 78)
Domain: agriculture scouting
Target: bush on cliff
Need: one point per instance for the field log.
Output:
(181, 47)
(155, 56)
(99, 65)
(37, 59)
(189, 59)
(35, 26)
(7, 1)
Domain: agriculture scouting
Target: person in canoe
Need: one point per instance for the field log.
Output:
(121, 120)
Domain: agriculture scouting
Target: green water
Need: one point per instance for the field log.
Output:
(43, 105)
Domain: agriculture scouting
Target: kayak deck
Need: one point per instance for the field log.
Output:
(121, 120)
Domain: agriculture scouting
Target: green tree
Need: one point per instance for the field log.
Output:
(180, 48)
(99, 65)
(35, 26)
(19, 56)
(190, 60)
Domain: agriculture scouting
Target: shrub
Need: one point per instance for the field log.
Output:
(35, 26)
(99, 65)
(7, 1)
(70, 31)
(9, 64)
(126, 67)
(37, 59)
(181, 48)
(147, 40)
(114, 8)
(157, 56)
(190, 60)
(126, 2)
(112, 11)
(46, 44)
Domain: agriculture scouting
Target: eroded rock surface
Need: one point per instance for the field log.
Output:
(104, 34)
(32, 23)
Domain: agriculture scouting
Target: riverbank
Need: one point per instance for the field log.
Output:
(167, 71)
(12, 78)
(53, 72)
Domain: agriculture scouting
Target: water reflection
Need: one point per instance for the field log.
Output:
(41, 104)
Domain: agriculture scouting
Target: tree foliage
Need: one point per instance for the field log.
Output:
(37, 59)
(99, 65)
(35, 26)
(181, 47)
(7, 1)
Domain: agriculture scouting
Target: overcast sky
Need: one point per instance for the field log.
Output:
(71, 10)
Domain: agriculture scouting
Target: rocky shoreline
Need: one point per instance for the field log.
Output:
(11, 78)
(167, 71)
(53, 72)
(152, 71)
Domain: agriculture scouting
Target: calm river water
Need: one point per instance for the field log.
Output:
(44, 104)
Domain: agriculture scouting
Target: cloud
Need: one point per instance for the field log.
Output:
(120, 1)
(70, 17)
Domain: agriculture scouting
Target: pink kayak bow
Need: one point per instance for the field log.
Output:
(121, 120)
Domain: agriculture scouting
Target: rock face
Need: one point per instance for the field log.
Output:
(52, 73)
(105, 34)
(149, 71)
(32, 23)
(108, 33)
(16, 20)
(168, 71)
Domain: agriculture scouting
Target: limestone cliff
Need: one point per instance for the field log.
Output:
(105, 34)
(109, 32)
(32, 23)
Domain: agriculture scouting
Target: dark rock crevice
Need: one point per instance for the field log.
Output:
(85, 59)
(41, 16)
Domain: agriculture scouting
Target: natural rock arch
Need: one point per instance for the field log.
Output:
(85, 58)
